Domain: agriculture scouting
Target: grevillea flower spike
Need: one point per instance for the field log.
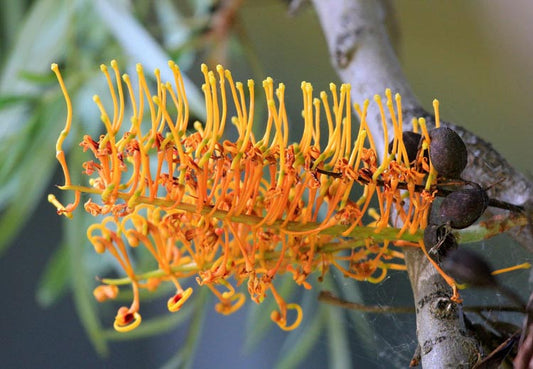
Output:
(242, 211)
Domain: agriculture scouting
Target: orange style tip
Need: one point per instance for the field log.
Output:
(53, 200)
(126, 322)
(226, 308)
(99, 247)
(282, 323)
(105, 292)
(61, 210)
(132, 241)
(176, 302)
(54, 67)
(152, 284)
(228, 294)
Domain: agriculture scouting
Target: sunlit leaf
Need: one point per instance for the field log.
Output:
(86, 306)
(175, 30)
(177, 33)
(27, 169)
(40, 41)
(137, 42)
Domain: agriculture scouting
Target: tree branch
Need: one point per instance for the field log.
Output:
(363, 56)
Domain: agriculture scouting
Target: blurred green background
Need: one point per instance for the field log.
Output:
(475, 57)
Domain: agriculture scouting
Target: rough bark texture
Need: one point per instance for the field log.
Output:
(363, 56)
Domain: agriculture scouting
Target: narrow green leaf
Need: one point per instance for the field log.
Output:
(350, 291)
(76, 241)
(308, 338)
(177, 33)
(27, 170)
(183, 359)
(258, 322)
(137, 42)
(54, 280)
(21, 148)
(176, 30)
(40, 41)
(26, 199)
(37, 78)
(338, 348)
(13, 99)
(11, 18)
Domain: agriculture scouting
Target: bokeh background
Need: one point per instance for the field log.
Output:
(475, 56)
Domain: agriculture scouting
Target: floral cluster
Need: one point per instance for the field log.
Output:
(229, 212)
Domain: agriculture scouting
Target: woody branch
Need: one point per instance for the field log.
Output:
(363, 56)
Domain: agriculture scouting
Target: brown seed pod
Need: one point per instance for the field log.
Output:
(462, 208)
(411, 141)
(447, 152)
(439, 241)
(468, 267)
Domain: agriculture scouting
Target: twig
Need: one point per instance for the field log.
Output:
(329, 298)
(439, 191)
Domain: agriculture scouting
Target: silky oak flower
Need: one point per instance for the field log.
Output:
(243, 210)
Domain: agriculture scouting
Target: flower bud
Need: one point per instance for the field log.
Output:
(447, 152)
(462, 208)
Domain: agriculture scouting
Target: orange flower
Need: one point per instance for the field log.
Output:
(244, 211)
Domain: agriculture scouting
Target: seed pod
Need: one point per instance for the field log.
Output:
(447, 152)
(411, 141)
(468, 267)
(462, 208)
(439, 241)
